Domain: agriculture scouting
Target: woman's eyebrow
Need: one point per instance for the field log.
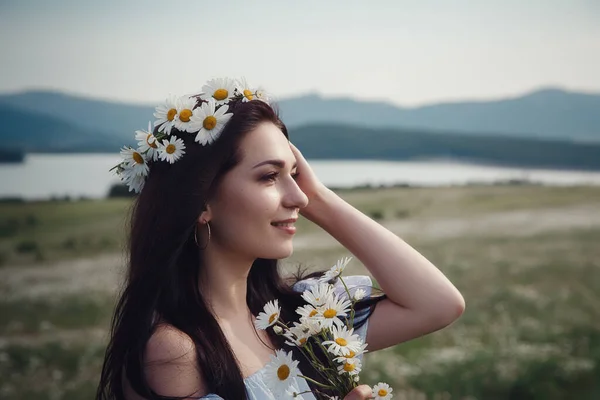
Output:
(277, 163)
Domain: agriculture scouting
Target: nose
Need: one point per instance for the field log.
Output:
(294, 197)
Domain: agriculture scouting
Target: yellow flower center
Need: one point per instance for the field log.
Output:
(153, 144)
(349, 367)
(272, 318)
(248, 94)
(220, 94)
(283, 372)
(209, 122)
(137, 157)
(302, 341)
(185, 115)
(312, 313)
(341, 341)
(171, 114)
(350, 355)
(330, 313)
(382, 392)
(170, 149)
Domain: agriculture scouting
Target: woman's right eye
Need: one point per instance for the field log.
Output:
(270, 177)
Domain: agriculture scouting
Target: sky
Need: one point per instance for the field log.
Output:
(405, 52)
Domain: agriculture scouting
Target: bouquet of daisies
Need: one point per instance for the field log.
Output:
(325, 323)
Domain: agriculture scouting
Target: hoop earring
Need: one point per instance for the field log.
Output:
(196, 236)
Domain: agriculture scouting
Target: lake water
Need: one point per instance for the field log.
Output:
(46, 175)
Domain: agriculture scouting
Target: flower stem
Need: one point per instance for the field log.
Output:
(351, 322)
(317, 383)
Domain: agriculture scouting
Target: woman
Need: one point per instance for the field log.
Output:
(221, 192)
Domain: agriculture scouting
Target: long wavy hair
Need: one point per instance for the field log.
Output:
(164, 264)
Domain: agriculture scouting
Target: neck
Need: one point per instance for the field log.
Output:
(224, 281)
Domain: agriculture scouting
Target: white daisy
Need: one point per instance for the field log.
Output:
(336, 270)
(185, 110)
(382, 391)
(210, 121)
(261, 94)
(171, 149)
(135, 160)
(245, 90)
(147, 143)
(318, 294)
(351, 367)
(311, 325)
(307, 311)
(353, 354)
(166, 114)
(134, 182)
(344, 341)
(297, 335)
(333, 310)
(279, 373)
(359, 294)
(269, 316)
(219, 89)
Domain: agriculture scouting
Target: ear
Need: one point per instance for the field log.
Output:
(206, 215)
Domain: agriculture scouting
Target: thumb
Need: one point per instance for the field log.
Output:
(362, 392)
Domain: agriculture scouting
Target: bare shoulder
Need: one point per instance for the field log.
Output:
(171, 364)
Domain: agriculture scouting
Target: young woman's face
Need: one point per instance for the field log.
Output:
(257, 202)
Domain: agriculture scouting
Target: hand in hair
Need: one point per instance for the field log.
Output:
(307, 180)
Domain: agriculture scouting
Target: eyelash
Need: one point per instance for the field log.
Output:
(273, 176)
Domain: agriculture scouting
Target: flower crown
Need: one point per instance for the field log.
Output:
(204, 115)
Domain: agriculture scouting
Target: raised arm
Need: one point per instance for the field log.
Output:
(420, 299)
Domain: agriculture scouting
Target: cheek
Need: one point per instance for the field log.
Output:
(246, 209)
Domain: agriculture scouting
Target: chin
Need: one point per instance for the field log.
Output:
(280, 252)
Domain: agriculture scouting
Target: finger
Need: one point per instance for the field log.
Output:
(361, 392)
(296, 152)
(298, 156)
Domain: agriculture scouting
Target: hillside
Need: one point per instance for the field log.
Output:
(548, 113)
(551, 113)
(347, 142)
(26, 131)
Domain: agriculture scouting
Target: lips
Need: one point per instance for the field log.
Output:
(286, 225)
(286, 222)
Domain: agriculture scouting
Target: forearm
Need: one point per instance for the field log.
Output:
(406, 276)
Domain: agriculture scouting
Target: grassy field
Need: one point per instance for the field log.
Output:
(526, 258)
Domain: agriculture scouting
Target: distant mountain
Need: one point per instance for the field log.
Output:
(326, 141)
(537, 130)
(119, 120)
(548, 113)
(27, 131)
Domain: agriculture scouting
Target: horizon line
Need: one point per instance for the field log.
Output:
(492, 98)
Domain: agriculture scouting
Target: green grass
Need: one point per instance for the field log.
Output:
(28, 316)
(53, 370)
(58, 230)
(469, 200)
(531, 329)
